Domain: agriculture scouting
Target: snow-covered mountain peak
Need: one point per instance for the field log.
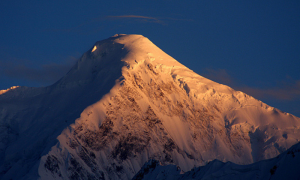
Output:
(159, 109)
(125, 102)
(112, 54)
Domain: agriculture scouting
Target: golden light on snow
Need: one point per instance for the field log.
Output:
(94, 49)
(4, 91)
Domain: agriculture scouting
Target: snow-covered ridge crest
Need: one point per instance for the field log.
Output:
(159, 109)
(8, 89)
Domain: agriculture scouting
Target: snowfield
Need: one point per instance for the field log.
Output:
(126, 102)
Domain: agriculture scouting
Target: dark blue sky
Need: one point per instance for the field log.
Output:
(253, 46)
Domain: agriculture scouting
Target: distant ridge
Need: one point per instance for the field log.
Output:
(284, 166)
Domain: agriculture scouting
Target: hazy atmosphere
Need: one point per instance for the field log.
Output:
(250, 46)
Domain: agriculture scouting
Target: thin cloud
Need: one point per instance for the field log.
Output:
(45, 74)
(287, 90)
(84, 28)
(145, 18)
(219, 75)
(177, 19)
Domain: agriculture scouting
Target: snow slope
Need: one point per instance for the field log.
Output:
(32, 118)
(284, 166)
(125, 102)
(160, 109)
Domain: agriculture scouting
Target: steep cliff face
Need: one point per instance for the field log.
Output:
(158, 109)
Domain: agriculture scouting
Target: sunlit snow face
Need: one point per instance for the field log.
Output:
(94, 49)
(6, 90)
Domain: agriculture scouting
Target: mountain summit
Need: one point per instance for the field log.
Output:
(137, 103)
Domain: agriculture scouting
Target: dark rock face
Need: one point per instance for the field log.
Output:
(150, 165)
(52, 165)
